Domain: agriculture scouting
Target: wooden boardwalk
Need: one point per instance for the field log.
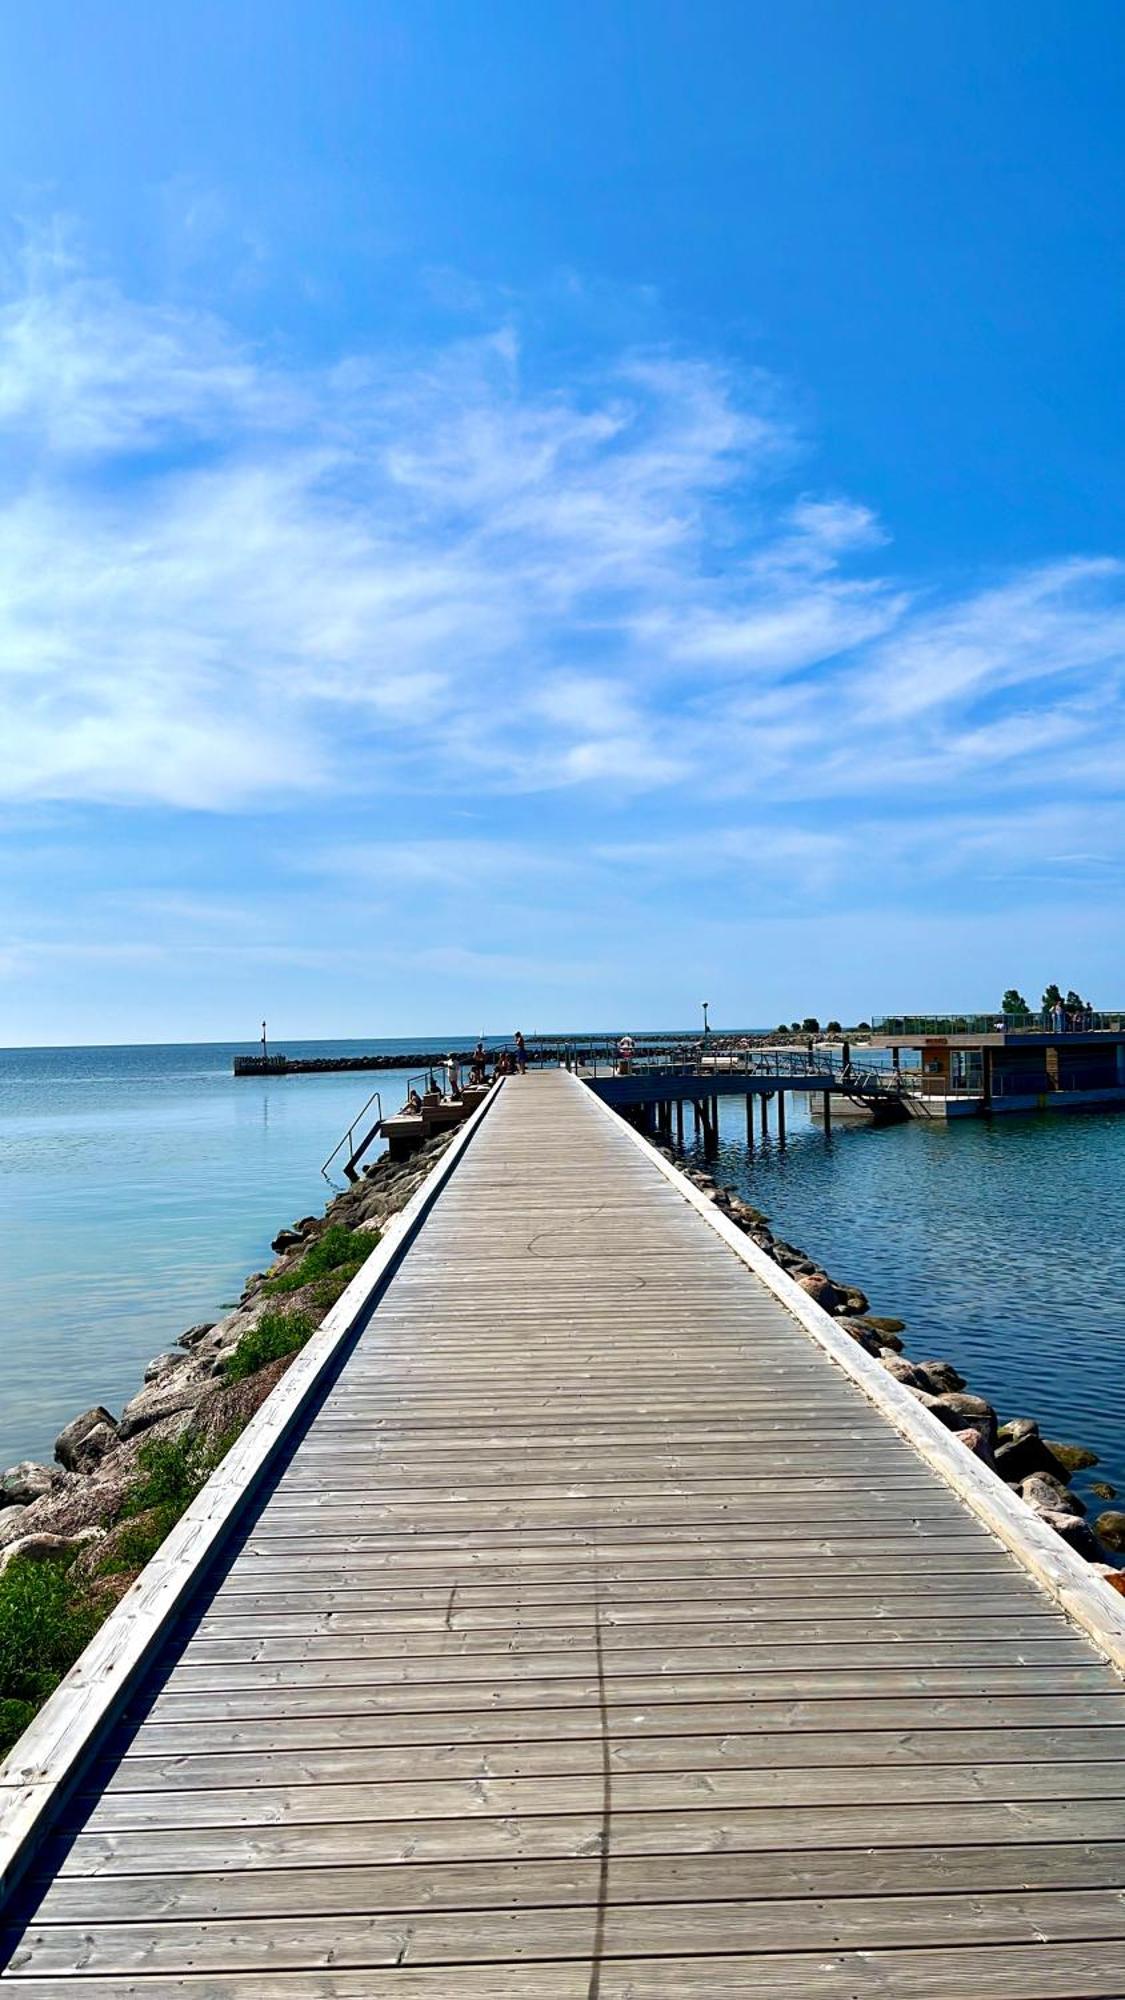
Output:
(598, 1641)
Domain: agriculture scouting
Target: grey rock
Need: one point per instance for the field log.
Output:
(855, 1300)
(821, 1290)
(1041, 1490)
(862, 1335)
(163, 1364)
(23, 1483)
(1020, 1451)
(976, 1442)
(1074, 1532)
(942, 1377)
(1111, 1527)
(13, 1523)
(286, 1239)
(162, 1399)
(86, 1439)
(1072, 1457)
(962, 1413)
(40, 1548)
(195, 1334)
(903, 1371)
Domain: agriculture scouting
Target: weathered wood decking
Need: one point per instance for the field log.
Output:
(599, 1641)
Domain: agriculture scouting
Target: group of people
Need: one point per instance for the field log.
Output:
(1071, 1020)
(506, 1062)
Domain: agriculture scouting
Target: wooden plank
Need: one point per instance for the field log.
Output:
(483, 1936)
(562, 1836)
(458, 1799)
(311, 1640)
(492, 1670)
(1060, 1971)
(269, 1703)
(953, 1711)
(267, 1892)
(138, 1771)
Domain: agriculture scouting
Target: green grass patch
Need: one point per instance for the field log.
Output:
(138, 1541)
(337, 1255)
(170, 1472)
(44, 1624)
(275, 1334)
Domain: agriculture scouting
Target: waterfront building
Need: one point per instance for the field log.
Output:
(966, 1065)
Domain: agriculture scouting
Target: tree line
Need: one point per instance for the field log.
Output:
(1053, 996)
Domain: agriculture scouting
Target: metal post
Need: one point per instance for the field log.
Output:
(828, 1111)
(749, 1122)
(680, 1124)
(781, 1118)
(765, 1114)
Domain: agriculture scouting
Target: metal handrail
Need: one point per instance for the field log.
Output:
(349, 1135)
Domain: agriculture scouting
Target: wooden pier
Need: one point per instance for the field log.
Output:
(599, 1633)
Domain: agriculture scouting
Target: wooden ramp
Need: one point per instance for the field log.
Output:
(599, 1641)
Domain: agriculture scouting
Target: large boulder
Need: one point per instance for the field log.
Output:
(870, 1342)
(195, 1334)
(961, 1413)
(822, 1291)
(23, 1483)
(903, 1371)
(1073, 1457)
(164, 1364)
(86, 1439)
(43, 1548)
(976, 1442)
(1041, 1490)
(1111, 1527)
(162, 1398)
(942, 1378)
(1073, 1531)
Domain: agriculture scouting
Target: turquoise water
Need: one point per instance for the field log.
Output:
(998, 1241)
(138, 1188)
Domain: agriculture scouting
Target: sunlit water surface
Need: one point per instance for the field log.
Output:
(138, 1188)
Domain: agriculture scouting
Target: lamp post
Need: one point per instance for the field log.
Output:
(265, 1051)
(706, 1028)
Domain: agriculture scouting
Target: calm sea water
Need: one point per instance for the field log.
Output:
(139, 1186)
(998, 1242)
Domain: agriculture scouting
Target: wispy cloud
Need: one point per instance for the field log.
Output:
(228, 581)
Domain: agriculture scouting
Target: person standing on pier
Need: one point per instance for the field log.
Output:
(521, 1054)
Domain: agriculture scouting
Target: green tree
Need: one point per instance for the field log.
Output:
(833, 1028)
(810, 1025)
(1014, 1002)
(1051, 998)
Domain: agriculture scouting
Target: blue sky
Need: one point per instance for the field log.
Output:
(532, 514)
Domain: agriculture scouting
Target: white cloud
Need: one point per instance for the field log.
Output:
(227, 581)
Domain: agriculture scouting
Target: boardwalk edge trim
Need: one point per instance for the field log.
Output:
(1086, 1600)
(49, 1758)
